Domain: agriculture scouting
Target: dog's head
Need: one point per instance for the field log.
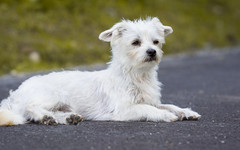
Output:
(137, 43)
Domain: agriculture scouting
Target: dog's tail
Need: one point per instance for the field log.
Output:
(8, 116)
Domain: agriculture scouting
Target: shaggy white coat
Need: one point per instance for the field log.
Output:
(128, 90)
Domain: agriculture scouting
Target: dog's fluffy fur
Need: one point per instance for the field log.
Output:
(128, 90)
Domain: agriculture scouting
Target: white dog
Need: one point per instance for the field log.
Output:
(128, 90)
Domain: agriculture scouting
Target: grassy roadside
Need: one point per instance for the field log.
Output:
(43, 34)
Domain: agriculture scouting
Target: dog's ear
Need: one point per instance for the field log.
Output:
(166, 29)
(107, 35)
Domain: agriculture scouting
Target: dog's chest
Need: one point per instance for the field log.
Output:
(140, 93)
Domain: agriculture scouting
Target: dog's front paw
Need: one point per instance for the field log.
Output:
(188, 114)
(74, 119)
(48, 120)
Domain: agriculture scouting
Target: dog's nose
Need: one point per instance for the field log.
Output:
(151, 52)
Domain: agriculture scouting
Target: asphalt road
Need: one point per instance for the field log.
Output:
(208, 82)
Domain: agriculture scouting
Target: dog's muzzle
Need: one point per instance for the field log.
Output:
(151, 53)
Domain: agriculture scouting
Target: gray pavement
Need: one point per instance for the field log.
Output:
(208, 82)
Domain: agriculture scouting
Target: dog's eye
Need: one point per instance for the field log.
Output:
(136, 43)
(155, 42)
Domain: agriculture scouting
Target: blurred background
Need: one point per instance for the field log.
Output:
(49, 34)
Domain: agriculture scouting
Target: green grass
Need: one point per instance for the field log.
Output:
(65, 32)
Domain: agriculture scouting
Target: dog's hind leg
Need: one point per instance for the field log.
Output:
(39, 113)
(68, 117)
(182, 113)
